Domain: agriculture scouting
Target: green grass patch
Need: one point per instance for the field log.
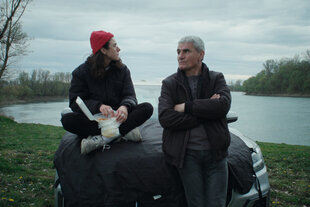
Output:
(26, 163)
(27, 172)
(288, 169)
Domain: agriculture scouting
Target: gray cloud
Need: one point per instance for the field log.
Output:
(239, 35)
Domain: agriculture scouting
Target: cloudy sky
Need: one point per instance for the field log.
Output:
(239, 35)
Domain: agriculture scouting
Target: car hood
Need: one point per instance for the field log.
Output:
(249, 142)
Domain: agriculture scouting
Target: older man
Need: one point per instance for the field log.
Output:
(192, 109)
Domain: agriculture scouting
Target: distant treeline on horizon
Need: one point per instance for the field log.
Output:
(40, 83)
(286, 76)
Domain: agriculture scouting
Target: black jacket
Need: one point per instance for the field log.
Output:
(115, 89)
(203, 110)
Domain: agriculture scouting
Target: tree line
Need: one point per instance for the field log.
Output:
(38, 84)
(288, 76)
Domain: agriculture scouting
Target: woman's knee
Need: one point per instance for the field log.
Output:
(74, 120)
(78, 123)
(147, 108)
(67, 120)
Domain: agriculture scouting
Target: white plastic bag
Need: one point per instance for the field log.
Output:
(108, 125)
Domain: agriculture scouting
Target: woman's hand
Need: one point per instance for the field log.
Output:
(121, 114)
(106, 110)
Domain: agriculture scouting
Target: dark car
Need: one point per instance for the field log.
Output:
(136, 173)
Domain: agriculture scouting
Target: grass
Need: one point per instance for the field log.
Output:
(288, 169)
(26, 163)
(27, 172)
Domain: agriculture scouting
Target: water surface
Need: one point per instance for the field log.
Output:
(262, 118)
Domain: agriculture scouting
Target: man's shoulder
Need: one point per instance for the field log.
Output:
(210, 73)
(214, 74)
(170, 78)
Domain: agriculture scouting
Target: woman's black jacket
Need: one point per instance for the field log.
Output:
(115, 89)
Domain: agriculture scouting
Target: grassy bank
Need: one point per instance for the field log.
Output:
(27, 173)
(288, 168)
(26, 163)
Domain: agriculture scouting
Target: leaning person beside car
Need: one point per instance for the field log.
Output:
(192, 110)
(104, 83)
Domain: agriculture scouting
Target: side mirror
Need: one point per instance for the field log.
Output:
(231, 117)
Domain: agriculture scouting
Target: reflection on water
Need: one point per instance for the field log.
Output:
(268, 119)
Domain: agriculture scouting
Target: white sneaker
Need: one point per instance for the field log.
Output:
(94, 142)
(91, 143)
(134, 135)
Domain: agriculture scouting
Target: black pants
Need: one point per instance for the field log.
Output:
(79, 124)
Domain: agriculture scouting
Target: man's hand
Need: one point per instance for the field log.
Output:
(179, 107)
(215, 96)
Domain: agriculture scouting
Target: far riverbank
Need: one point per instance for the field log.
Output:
(32, 100)
(278, 95)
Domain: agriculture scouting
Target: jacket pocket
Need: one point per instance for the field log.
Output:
(218, 134)
(174, 143)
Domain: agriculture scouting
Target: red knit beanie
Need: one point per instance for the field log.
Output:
(98, 39)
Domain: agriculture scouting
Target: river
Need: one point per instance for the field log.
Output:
(262, 118)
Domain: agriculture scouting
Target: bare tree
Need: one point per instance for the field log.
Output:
(13, 41)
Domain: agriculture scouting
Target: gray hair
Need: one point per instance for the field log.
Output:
(197, 42)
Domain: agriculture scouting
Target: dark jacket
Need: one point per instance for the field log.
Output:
(203, 110)
(115, 89)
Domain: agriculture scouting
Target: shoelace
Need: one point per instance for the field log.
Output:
(106, 146)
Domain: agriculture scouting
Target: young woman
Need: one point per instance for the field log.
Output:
(104, 83)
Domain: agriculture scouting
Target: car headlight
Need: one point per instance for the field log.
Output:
(258, 160)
